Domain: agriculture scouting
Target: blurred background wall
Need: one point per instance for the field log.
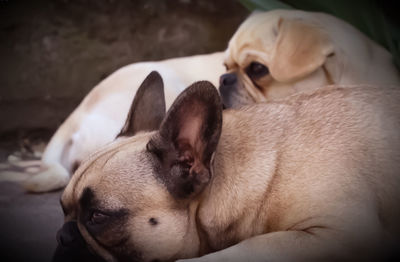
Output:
(52, 52)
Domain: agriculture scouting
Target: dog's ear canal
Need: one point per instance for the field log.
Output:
(148, 107)
(188, 138)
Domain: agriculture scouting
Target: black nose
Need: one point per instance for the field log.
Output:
(69, 235)
(228, 79)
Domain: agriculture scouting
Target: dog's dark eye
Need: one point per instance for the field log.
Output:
(256, 70)
(98, 221)
(97, 218)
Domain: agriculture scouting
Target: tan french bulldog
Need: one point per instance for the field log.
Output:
(278, 53)
(308, 178)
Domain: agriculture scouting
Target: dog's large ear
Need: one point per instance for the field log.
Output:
(148, 107)
(187, 140)
(300, 49)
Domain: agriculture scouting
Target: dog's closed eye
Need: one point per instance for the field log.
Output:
(97, 218)
(98, 222)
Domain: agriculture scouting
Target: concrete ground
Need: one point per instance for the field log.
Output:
(28, 224)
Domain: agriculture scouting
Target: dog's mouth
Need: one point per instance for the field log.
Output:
(225, 101)
(72, 246)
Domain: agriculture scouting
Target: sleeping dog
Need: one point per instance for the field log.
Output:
(313, 177)
(282, 52)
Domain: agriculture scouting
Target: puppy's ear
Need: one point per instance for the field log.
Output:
(148, 107)
(300, 49)
(187, 140)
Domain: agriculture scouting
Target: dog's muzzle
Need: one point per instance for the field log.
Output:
(72, 246)
(227, 85)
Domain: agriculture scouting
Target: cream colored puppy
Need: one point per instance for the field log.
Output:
(282, 52)
(100, 116)
(308, 178)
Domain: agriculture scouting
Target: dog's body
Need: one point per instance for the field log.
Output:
(313, 183)
(100, 116)
(282, 52)
(311, 177)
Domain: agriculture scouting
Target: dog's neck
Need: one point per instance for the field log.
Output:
(238, 174)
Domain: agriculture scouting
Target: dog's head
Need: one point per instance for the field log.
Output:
(135, 199)
(274, 54)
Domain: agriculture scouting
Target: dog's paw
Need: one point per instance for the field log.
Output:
(17, 170)
(49, 178)
(10, 173)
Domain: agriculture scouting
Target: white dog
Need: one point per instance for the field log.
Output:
(282, 52)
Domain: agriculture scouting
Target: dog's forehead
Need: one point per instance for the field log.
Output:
(255, 24)
(116, 165)
(257, 35)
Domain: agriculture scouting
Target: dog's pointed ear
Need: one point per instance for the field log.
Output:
(187, 140)
(300, 49)
(148, 107)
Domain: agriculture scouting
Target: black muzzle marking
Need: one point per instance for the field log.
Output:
(72, 246)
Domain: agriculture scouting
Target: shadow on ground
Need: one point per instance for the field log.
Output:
(28, 224)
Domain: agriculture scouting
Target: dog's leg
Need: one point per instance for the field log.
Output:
(51, 177)
(18, 171)
(35, 176)
(312, 244)
(277, 246)
(10, 173)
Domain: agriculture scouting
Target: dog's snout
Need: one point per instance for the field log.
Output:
(227, 85)
(69, 235)
(72, 246)
(228, 79)
(224, 91)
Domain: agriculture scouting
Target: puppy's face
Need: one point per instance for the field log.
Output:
(272, 55)
(135, 199)
(123, 211)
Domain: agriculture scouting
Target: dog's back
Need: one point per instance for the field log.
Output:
(347, 144)
(328, 161)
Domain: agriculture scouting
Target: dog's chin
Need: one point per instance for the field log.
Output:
(227, 93)
(226, 104)
(229, 102)
(72, 246)
(234, 100)
(234, 94)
